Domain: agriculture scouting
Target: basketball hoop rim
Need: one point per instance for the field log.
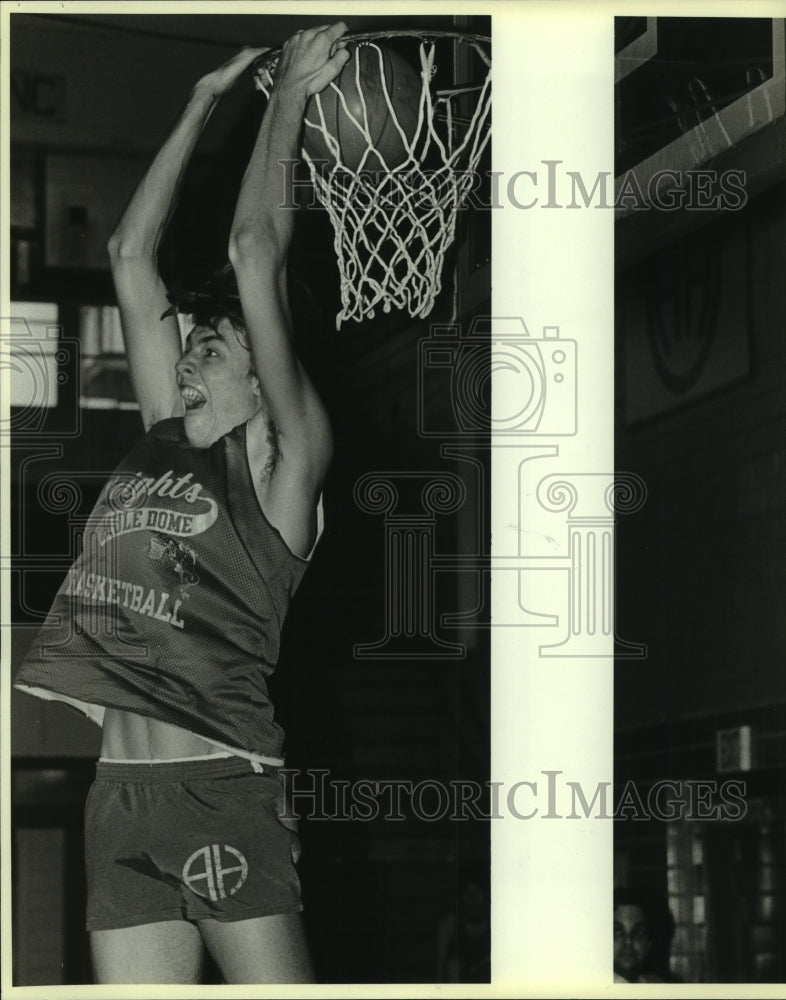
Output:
(391, 246)
(268, 60)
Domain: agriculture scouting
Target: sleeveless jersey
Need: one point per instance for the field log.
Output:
(175, 607)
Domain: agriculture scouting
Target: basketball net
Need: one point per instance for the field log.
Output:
(393, 225)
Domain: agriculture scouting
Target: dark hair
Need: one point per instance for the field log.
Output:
(217, 299)
(660, 924)
(634, 897)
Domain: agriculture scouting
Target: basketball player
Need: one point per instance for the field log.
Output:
(169, 621)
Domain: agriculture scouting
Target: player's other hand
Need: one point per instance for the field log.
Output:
(310, 59)
(223, 79)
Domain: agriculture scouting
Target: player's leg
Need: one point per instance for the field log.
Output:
(167, 951)
(253, 928)
(134, 899)
(260, 950)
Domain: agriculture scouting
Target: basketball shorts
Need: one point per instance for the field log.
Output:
(190, 840)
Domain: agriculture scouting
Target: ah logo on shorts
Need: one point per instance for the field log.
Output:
(206, 872)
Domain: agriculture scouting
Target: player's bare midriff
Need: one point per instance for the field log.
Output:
(135, 737)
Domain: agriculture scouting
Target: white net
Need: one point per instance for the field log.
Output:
(393, 223)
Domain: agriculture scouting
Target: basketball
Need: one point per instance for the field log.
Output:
(369, 72)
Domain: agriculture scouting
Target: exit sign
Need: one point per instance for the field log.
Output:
(38, 96)
(734, 749)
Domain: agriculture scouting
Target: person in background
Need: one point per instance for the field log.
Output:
(637, 936)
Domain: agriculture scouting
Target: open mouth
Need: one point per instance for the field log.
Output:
(192, 398)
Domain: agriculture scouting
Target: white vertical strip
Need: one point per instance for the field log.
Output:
(552, 716)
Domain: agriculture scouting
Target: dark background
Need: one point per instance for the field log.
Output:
(701, 565)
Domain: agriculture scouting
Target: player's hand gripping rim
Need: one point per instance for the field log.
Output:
(310, 59)
(221, 80)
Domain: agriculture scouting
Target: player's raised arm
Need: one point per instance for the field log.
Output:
(153, 343)
(258, 248)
